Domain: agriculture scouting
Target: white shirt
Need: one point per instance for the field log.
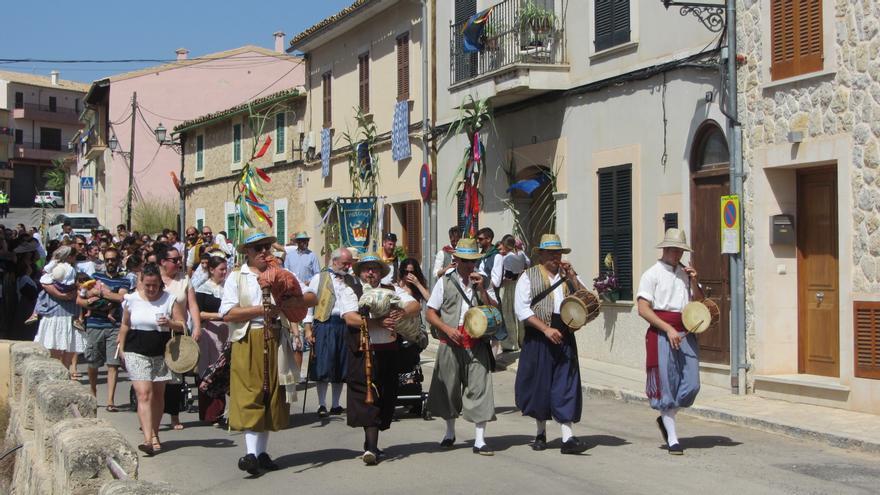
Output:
(389, 279)
(346, 299)
(438, 262)
(498, 269)
(230, 292)
(667, 288)
(523, 303)
(88, 267)
(142, 313)
(436, 299)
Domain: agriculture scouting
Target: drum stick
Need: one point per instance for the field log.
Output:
(116, 356)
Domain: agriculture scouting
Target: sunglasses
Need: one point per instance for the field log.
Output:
(173, 260)
(262, 247)
(207, 233)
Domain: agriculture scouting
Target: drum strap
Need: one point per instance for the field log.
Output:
(546, 292)
(464, 297)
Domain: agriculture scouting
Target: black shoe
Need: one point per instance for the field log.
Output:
(267, 463)
(250, 464)
(484, 450)
(336, 411)
(447, 443)
(322, 412)
(540, 442)
(663, 430)
(379, 452)
(573, 446)
(675, 449)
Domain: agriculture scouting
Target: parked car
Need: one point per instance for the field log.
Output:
(81, 223)
(49, 198)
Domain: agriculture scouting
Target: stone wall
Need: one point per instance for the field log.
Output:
(64, 447)
(842, 99)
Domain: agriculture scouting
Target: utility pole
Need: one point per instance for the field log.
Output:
(134, 107)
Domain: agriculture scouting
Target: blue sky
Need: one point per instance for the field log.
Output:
(127, 29)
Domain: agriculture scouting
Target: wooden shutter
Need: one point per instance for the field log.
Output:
(386, 221)
(364, 82)
(200, 224)
(612, 23)
(325, 85)
(866, 316)
(236, 143)
(281, 226)
(200, 153)
(615, 223)
(232, 228)
(796, 37)
(412, 229)
(403, 67)
(280, 127)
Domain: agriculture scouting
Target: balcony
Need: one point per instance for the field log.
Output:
(37, 151)
(47, 113)
(94, 146)
(514, 44)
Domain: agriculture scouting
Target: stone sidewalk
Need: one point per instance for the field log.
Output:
(835, 427)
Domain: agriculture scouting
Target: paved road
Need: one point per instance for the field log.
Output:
(27, 216)
(626, 456)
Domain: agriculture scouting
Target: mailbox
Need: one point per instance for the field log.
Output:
(782, 230)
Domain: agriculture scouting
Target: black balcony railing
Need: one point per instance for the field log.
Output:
(33, 107)
(513, 35)
(32, 145)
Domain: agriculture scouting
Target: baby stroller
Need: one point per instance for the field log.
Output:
(410, 393)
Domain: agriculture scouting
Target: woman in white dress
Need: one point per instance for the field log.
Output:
(56, 331)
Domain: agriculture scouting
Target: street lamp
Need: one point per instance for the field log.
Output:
(177, 145)
(710, 14)
(160, 133)
(114, 143)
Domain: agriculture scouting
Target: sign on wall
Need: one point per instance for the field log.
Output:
(86, 182)
(730, 220)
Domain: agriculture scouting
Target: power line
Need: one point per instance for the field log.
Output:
(133, 60)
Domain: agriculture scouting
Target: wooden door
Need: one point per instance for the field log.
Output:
(818, 291)
(712, 266)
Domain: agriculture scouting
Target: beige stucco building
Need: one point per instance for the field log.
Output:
(218, 145)
(366, 56)
(810, 107)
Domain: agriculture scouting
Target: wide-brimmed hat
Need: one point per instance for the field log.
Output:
(551, 242)
(371, 259)
(252, 235)
(181, 354)
(355, 253)
(674, 238)
(301, 236)
(467, 249)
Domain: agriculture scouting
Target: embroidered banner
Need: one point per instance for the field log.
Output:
(356, 217)
(326, 146)
(400, 148)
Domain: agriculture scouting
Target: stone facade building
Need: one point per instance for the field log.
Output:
(217, 146)
(809, 89)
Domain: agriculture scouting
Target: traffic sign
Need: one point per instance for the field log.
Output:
(425, 182)
(730, 224)
(86, 182)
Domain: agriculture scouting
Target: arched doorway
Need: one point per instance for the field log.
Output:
(710, 169)
(535, 205)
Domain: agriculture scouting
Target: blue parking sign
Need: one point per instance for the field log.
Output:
(86, 182)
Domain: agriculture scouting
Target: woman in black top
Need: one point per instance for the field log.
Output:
(214, 335)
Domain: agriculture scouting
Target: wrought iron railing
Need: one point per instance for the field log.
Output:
(510, 37)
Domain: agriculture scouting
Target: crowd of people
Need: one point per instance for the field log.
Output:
(256, 307)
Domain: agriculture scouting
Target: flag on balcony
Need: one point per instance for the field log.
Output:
(400, 148)
(529, 186)
(472, 33)
(325, 152)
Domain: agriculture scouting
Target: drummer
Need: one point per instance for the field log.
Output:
(548, 379)
(383, 339)
(672, 364)
(462, 382)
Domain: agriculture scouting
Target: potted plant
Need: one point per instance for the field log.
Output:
(607, 284)
(535, 22)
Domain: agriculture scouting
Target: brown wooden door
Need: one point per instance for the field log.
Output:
(712, 266)
(818, 292)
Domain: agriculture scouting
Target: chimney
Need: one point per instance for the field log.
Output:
(54, 75)
(279, 41)
(181, 53)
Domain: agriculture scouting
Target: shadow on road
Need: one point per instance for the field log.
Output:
(210, 443)
(315, 459)
(707, 442)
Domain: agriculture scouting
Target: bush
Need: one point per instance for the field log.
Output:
(151, 215)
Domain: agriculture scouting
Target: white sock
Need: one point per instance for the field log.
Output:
(669, 423)
(337, 393)
(479, 434)
(566, 431)
(251, 441)
(322, 393)
(450, 429)
(262, 442)
(542, 427)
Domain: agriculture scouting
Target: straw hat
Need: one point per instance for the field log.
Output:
(301, 236)
(181, 354)
(253, 235)
(369, 259)
(467, 249)
(674, 238)
(355, 253)
(551, 242)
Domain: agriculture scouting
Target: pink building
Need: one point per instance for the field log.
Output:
(167, 95)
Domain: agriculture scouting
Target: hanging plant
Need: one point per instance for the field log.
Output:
(363, 165)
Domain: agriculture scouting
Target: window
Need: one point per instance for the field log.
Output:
(19, 136)
(612, 23)
(325, 84)
(796, 37)
(403, 67)
(53, 104)
(232, 227)
(200, 154)
(465, 63)
(867, 339)
(236, 143)
(615, 223)
(412, 229)
(281, 225)
(19, 99)
(200, 224)
(50, 138)
(76, 105)
(280, 127)
(364, 82)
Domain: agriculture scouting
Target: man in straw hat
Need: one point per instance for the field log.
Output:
(671, 353)
(462, 381)
(326, 329)
(384, 364)
(258, 404)
(548, 379)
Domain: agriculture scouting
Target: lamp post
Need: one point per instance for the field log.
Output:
(176, 145)
(113, 142)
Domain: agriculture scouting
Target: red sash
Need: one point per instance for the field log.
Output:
(652, 357)
(467, 342)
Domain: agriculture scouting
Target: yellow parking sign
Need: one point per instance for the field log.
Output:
(730, 220)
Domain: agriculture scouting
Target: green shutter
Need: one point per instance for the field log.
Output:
(280, 225)
(232, 228)
(279, 132)
(615, 223)
(200, 224)
(200, 153)
(236, 143)
(612, 23)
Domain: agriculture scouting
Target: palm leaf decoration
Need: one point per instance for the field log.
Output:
(363, 165)
(473, 116)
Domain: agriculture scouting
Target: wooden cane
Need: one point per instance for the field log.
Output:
(267, 336)
(368, 359)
